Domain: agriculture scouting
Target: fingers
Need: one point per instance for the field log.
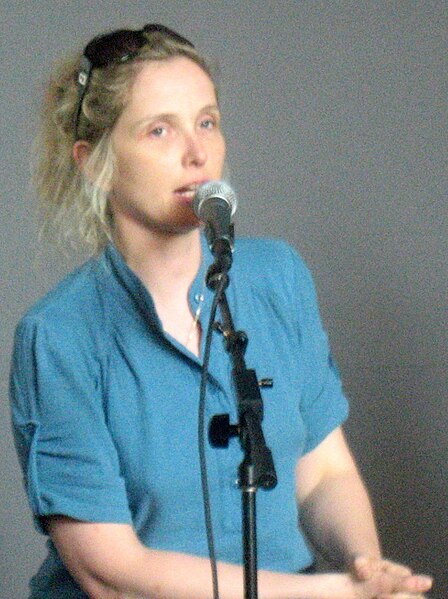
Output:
(401, 596)
(364, 567)
(417, 584)
(383, 579)
(395, 569)
(409, 587)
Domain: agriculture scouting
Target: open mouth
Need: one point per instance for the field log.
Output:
(188, 191)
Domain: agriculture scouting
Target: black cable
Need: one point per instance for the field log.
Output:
(202, 436)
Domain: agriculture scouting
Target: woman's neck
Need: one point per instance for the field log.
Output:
(164, 262)
(167, 266)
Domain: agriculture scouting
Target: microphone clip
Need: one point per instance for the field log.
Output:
(214, 240)
(222, 250)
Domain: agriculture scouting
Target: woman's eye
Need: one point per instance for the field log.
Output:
(157, 131)
(208, 123)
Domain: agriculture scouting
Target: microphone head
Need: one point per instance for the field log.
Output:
(214, 189)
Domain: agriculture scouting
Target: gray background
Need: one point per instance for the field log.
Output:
(335, 114)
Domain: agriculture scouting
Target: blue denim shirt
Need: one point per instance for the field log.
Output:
(105, 407)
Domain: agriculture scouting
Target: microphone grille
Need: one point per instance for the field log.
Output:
(214, 189)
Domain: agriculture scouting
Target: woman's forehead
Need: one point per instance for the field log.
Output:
(170, 85)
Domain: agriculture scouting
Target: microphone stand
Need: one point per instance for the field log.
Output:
(257, 468)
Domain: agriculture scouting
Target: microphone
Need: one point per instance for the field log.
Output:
(215, 204)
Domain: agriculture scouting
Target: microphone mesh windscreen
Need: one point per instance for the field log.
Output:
(214, 189)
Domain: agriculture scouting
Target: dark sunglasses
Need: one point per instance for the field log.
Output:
(113, 48)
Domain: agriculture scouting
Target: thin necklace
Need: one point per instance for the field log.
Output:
(200, 299)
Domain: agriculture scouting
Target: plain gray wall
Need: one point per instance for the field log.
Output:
(336, 120)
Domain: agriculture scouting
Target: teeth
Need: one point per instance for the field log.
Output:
(190, 190)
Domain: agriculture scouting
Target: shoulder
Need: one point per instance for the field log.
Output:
(69, 311)
(266, 250)
(272, 260)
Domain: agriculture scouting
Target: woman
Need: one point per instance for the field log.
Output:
(106, 367)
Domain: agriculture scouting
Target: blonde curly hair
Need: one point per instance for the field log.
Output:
(75, 207)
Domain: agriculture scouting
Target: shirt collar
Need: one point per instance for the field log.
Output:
(126, 285)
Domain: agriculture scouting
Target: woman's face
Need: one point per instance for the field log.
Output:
(166, 142)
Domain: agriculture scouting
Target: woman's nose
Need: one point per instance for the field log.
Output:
(195, 152)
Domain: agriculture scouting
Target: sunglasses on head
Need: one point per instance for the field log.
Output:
(114, 48)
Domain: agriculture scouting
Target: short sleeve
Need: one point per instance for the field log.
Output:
(328, 410)
(67, 455)
(324, 406)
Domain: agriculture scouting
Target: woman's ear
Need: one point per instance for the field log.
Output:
(81, 153)
(95, 168)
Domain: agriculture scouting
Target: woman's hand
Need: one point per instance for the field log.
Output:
(389, 580)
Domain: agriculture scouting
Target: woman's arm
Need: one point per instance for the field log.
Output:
(109, 562)
(337, 514)
(107, 559)
(335, 508)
